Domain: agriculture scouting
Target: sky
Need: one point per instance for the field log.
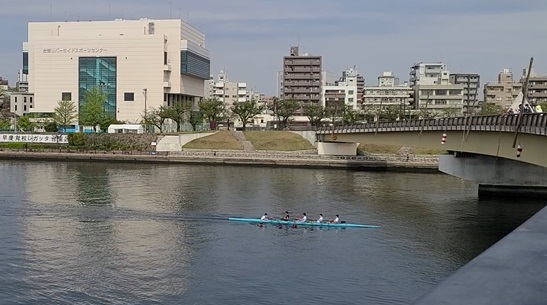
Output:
(248, 38)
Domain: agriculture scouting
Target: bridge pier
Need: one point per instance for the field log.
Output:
(497, 176)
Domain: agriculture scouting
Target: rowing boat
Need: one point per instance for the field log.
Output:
(302, 223)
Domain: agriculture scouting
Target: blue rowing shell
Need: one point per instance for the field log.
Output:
(301, 223)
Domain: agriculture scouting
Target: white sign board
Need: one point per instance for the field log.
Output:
(33, 138)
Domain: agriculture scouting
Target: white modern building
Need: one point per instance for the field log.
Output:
(433, 90)
(224, 90)
(388, 92)
(348, 90)
(139, 64)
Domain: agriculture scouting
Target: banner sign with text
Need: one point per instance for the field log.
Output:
(34, 138)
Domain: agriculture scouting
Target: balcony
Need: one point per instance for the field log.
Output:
(167, 67)
(242, 92)
(166, 84)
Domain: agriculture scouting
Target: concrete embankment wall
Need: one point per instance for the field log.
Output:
(238, 159)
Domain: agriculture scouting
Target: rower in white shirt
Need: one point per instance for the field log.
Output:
(264, 217)
(336, 220)
(303, 218)
(320, 219)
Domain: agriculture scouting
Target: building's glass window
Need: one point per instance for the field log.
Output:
(195, 65)
(24, 107)
(350, 92)
(66, 96)
(25, 62)
(24, 99)
(129, 96)
(98, 72)
(164, 58)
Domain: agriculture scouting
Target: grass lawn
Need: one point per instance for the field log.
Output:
(393, 149)
(277, 140)
(220, 140)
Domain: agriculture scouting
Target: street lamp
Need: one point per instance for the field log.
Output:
(145, 92)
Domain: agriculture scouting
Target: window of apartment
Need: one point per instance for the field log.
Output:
(66, 96)
(25, 108)
(350, 92)
(16, 99)
(15, 107)
(440, 92)
(164, 58)
(454, 92)
(350, 99)
(129, 96)
(24, 99)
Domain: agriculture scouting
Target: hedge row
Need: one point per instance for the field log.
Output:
(112, 141)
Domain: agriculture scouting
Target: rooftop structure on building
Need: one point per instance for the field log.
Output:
(302, 78)
(139, 64)
(504, 91)
(22, 81)
(347, 91)
(4, 85)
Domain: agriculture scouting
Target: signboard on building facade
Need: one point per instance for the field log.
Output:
(33, 138)
(74, 50)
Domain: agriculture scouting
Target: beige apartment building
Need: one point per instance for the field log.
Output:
(347, 91)
(226, 91)
(302, 77)
(471, 85)
(504, 91)
(387, 92)
(138, 64)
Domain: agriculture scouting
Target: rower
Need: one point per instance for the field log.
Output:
(264, 217)
(320, 219)
(303, 218)
(335, 220)
(286, 217)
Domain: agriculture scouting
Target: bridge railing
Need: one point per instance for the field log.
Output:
(532, 123)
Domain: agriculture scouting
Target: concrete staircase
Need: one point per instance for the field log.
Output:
(247, 145)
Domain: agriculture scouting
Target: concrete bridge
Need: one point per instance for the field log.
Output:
(480, 147)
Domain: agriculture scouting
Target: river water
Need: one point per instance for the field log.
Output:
(89, 233)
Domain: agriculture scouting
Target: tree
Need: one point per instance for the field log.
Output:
(349, 115)
(315, 114)
(333, 111)
(212, 109)
(156, 117)
(491, 109)
(92, 112)
(65, 114)
(195, 118)
(5, 123)
(389, 113)
(451, 112)
(285, 109)
(107, 120)
(246, 110)
(25, 124)
(177, 113)
(51, 126)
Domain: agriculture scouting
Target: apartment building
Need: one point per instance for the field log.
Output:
(302, 77)
(471, 83)
(387, 92)
(433, 91)
(348, 90)
(138, 64)
(504, 91)
(224, 90)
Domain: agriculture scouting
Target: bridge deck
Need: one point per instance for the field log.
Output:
(532, 123)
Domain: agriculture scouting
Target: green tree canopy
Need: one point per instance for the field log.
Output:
(491, 109)
(315, 113)
(65, 113)
(211, 108)
(246, 110)
(156, 117)
(178, 113)
(195, 118)
(5, 123)
(286, 109)
(92, 112)
(25, 124)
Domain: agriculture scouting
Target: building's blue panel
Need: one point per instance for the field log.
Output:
(195, 65)
(98, 72)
